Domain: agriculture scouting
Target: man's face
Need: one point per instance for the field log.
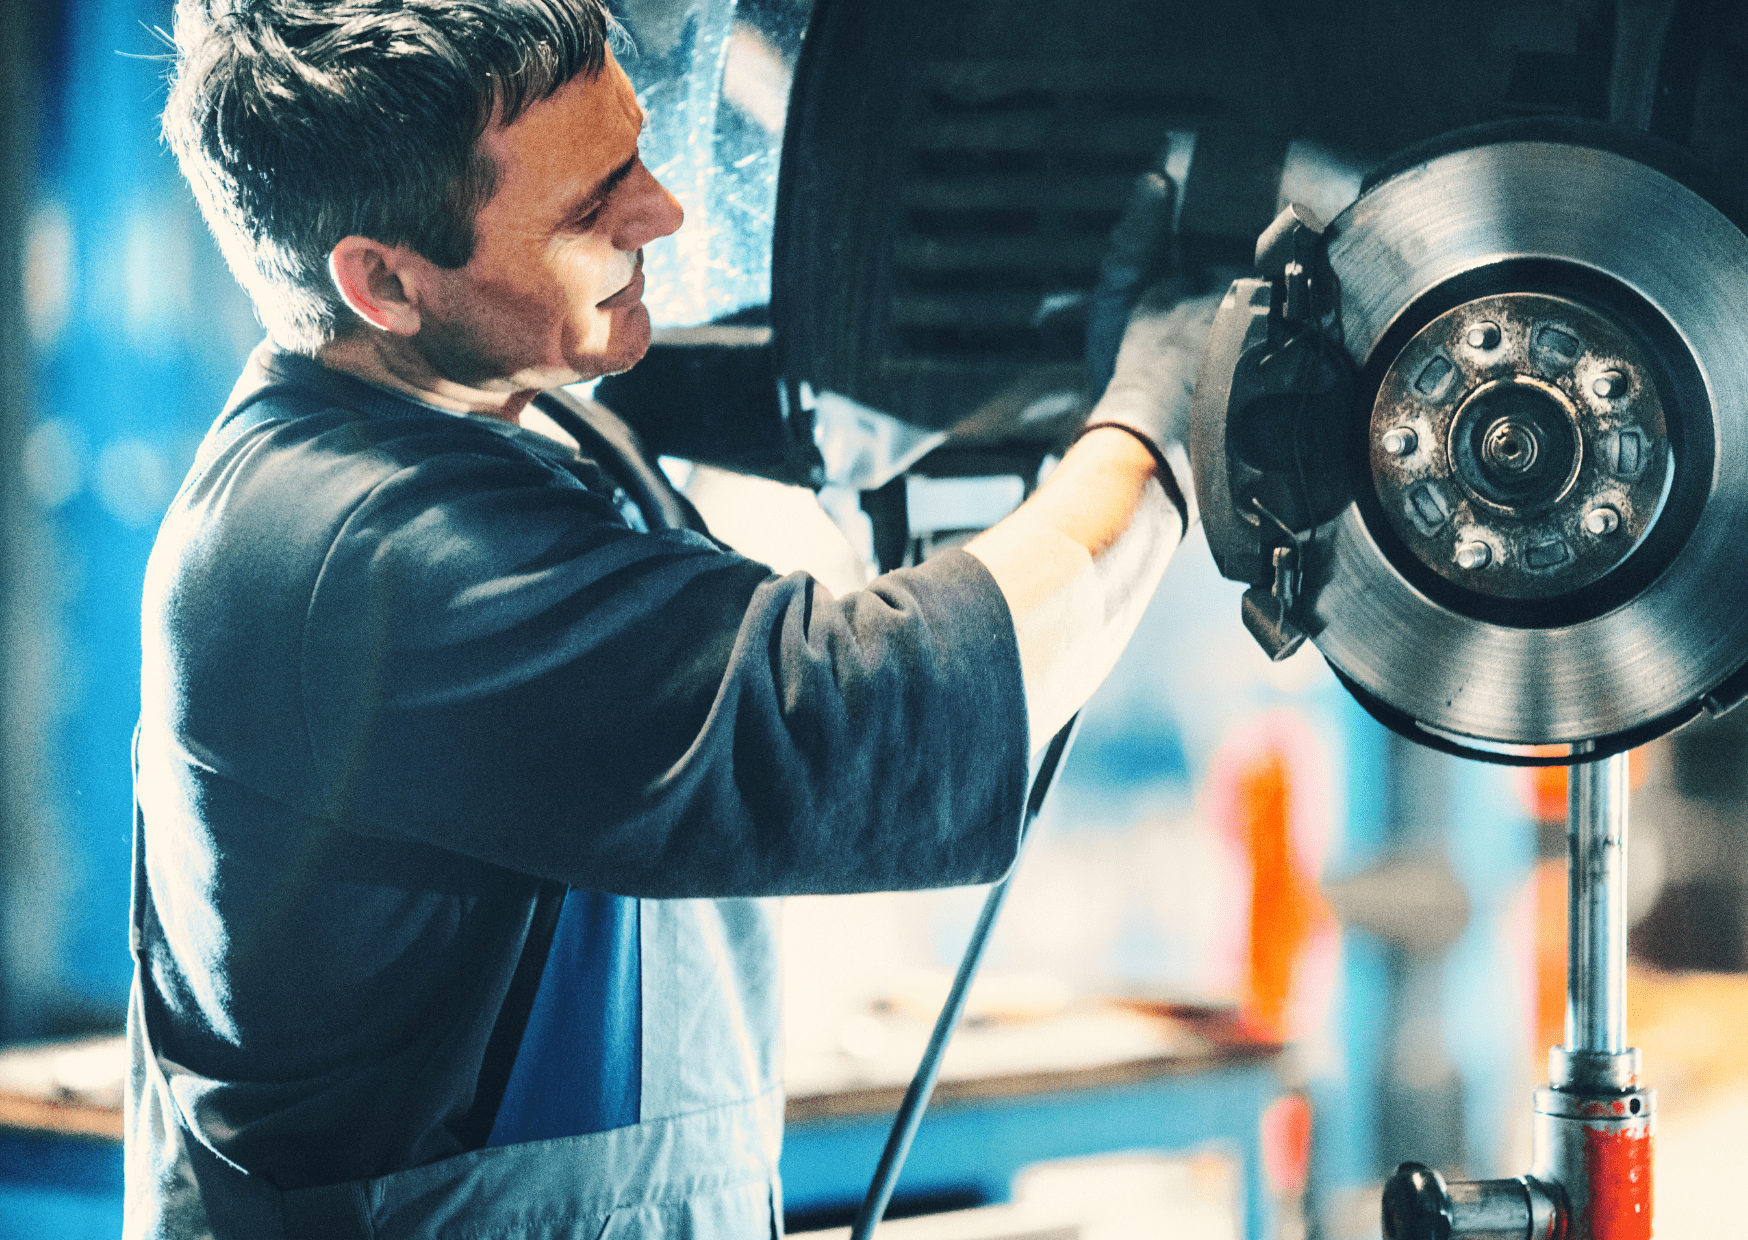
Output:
(553, 292)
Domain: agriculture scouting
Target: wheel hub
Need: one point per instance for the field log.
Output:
(1518, 446)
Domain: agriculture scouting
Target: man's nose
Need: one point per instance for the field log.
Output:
(653, 211)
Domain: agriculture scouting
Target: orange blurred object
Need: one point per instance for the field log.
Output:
(1547, 793)
(1266, 794)
(1283, 903)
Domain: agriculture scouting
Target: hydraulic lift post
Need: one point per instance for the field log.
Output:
(1594, 1124)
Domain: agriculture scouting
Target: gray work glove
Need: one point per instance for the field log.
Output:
(1149, 393)
(1138, 254)
(1144, 341)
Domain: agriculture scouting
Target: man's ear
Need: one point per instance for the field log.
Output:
(379, 283)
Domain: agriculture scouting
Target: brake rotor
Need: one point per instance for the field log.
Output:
(1544, 547)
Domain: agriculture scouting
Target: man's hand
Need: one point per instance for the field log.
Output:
(1079, 561)
(1137, 256)
(1149, 395)
(1145, 337)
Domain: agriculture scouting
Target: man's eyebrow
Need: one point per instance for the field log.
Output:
(596, 196)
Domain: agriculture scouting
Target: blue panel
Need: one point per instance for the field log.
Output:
(70, 1190)
(580, 1066)
(981, 1146)
(1344, 1104)
(1493, 841)
(1367, 753)
(138, 335)
(1488, 1002)
(32, 1214)
(28, 1160)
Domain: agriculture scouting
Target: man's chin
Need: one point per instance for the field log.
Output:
(628, 343)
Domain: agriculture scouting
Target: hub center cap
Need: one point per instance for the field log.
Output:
(1515, 443)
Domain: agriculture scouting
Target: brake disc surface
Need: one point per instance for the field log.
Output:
(1555, 465)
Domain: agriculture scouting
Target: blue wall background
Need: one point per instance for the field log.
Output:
(137, 334)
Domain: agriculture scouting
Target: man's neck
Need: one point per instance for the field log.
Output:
(388, 363)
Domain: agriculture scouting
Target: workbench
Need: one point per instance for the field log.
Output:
(61, 1123)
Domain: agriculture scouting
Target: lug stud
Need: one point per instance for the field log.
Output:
(1610, 384)
(1400, 440)
(1601, 520)
(1474, 555)
(1484, 336)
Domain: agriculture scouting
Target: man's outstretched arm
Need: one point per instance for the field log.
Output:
(1080, 560)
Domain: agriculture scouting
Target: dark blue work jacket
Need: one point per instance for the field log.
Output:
(409, 678)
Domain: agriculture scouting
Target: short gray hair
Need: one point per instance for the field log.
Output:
(300, 122)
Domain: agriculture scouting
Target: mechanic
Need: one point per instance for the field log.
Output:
(467, 758)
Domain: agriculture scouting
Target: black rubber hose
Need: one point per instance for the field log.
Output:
(922, 1085)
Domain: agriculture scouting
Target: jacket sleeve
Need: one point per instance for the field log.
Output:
(490, 666)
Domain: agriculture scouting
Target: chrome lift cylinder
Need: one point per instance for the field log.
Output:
(1596, 908)
(1594, 1125)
